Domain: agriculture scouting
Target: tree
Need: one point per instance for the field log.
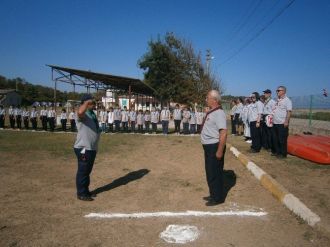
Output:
(174, 70)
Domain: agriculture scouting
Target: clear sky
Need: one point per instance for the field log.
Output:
(110, 37)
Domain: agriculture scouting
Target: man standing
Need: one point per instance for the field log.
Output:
(177, 116)
(43, 118)
(267, 129)
(154, 119)
(33, 118)
(51, 118)
(254, 116)
(132, 119)
(281, 119)
(117, 118)
(2, 117)
(213, 139)
(165, 118)
(185, 120)
(86, 146)
(18, 117)
(11, 113)
(124, 119)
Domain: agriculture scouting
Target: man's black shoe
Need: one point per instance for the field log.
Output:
(92, 194)
(207, 198)
(85, 198)
(213, 202)
(253, 151)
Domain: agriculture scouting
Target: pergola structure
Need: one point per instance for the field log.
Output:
(99, 81)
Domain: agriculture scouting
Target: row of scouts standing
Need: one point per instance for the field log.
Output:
(47, 117)
(263, 121)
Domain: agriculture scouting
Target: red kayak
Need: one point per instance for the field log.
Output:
(310, 147)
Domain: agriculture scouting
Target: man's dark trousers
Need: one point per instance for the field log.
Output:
(85, 166)
(280, 139)
(214, 171)
(177, 124)
(267, 136)
(255, 136)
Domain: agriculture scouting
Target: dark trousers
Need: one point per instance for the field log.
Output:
(154, 127)
(12, 121)
(214, 171)
(51, 122)
(44, 122)
(233, 124)
(177, 124)
(19, 121)
(192, 128)
(85, 166)
(132, 126)
(255, 136)
(2, 121)
(73, 125)
(280, 139)
(140, 128)
(63, 123)
(267, 137)
(147, 124)
(125, 126)
(185, 128)
(26, 122)
(34, 123)
(199, 128)
(165, 127)
(117, 125)
(110, 127)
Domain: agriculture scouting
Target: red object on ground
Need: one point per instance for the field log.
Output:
(310, 147)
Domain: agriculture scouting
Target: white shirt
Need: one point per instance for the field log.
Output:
(2, 111)
(18, 112)
(186, 116)
(214, 122)
(72, 116)
(269, 106)
(147, 117)
(11, 111)
(192, 118)
(103, 116)
(63, 115)
(154, 116)
(282, 107)
(51, 113)
(200, 117)
(43, 113)
(165, 115)
(34, 114)
(124, 116)
(26, 114)
(117, 113)
(140, 119)
(132, 116)
(111, 117)
(255, 110)
(177, 114)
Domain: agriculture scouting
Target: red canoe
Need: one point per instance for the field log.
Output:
(310, 147)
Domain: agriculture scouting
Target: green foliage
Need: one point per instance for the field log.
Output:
(31, 93)
(325, 116)
(174, 70)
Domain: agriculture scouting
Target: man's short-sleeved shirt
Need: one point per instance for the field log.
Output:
(214, 122)
(282, 107)
(255, 109)
(269, 107)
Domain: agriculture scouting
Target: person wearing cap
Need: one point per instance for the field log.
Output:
(281, 119)
(86, 146)
(266, 128)
(2, 117)
(255, 115)
(213, 139)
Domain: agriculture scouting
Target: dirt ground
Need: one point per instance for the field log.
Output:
(132, 173)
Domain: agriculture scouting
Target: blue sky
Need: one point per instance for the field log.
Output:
(110, 37)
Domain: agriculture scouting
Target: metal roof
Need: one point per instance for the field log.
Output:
(104, 81)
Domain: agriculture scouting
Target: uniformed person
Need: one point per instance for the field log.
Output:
(154, 119)
(232, 117)
(165, 118)
(132, 119)
(238, 120)
(177, 117)
(103, 117)
(124, 119)
(72, 118)
(147, 119)
(18, 117)
(245, 120)
(213, 139)
(140, 121)
(44, 118)
(34, 118)
(255, 115)
(281, 119)
(192, 122)
(2, 117)
(51, 118)
(111, 119)
(267, 130)
(199, 119)
(117, 118)
(26, 115)
(11, 113)
(185, 120)
(86, 146)
(64, 119)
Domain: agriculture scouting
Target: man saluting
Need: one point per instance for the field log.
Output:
(86, 145)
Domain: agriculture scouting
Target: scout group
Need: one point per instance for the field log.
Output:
(112, 120)
(263, 121)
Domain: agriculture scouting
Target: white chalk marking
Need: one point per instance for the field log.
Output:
(176, 214)
(235, 151)
(256, 170)
(179, 234)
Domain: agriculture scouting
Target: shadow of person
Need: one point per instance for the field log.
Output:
(229, 181)
(129, 177)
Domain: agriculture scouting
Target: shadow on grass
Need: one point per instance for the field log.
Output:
(129, 177)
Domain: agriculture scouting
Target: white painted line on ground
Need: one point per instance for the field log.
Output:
(235, 151)
(256, 171)
(176, 214)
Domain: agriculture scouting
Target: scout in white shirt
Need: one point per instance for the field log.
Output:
(124, 119)
(2, 117)
(72, 119)
(192, 122)
(64, 119)
(51, 118)
(165, 118)
(111, 119)
(199, 119)
(147, 119)
(132, 119)
(238, 120)
(232, 117)
(255, 114)
(281, 119)
(244, 117)
(154, 119)
(34, 118)
(140, 121)
(18, 116)
(26, 115)
(117, 117)
(269, 104)
(43, 118)
(185, 120)
(177, 117)
(11, 117)
(103, 117)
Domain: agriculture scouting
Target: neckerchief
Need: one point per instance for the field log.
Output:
(91, 114)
